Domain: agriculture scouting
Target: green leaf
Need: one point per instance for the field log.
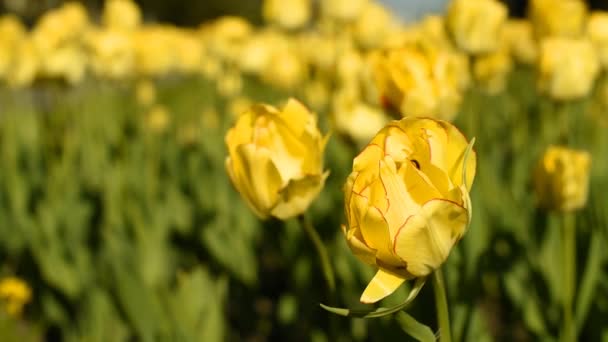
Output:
(379, 312)
(414, 328)
(590, 279)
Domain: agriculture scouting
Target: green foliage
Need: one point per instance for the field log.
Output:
(126, 233)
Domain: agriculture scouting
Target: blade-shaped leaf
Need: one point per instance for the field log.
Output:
(379, 312)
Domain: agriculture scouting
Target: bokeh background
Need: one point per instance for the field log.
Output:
(118, 221)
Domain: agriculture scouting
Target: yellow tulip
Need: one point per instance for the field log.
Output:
(492, 70)
(597, 30)
(14, 293)
(111, 53)
(25, 65)
(567, 67)
(565, 18)
(407, 202)
(343, 10)
(373, 25)
(355, 118)
(276, 159)
(562, 179)
(122, 15)
(476, 25)
(519, 39)
(420, 82)
(289, 14)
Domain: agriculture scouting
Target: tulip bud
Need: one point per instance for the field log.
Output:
(567, 68)
(407, 201)
(276, 159)
(562, 179)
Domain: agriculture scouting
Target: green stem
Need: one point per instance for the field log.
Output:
(441, 305)
(321, 251)
(569, 274)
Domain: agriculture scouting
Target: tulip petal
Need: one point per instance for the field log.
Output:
(457, 146)
(241, 133)
(401, 205)
(358, 247)
(297, 117)
(426, 239)
(382, 284)
(255, 176)
(295, 198)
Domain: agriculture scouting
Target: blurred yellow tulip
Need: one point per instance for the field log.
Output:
(567, 67)
(565, 18)
(519, 40)
(407, 201)
(597, 31)
(476, 25)
(288, 14)
(562, 179)
(492, 70)
(121, 15)
(14, 294)
(276, 159)
(420, 82)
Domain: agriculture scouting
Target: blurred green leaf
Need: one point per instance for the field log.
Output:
(414, 328)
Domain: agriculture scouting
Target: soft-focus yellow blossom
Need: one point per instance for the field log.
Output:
(68, 62)
(349, 66)
(492, 70)
(354, 118)
(12, 32)
(239, 105)
(597, 31)
(420, 82)
(188, 51)
(145, 92)
(154, 54)
(407, 202)
(372, 27)
(11, 28)
(60, 26)
(25, 64)
(258, 51)
(122, 15)
(567, 67)
(343, 10)
(157, 119)
(562, 178)
(476, 25)
(318, 50)
(557, 17)
(317, 93)
(226, 36)
(432, 30)
(14, 294)
(229, 83)
(519, 39)
(276, 159)
(289, 14)
(285, 69)
(111, 53)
